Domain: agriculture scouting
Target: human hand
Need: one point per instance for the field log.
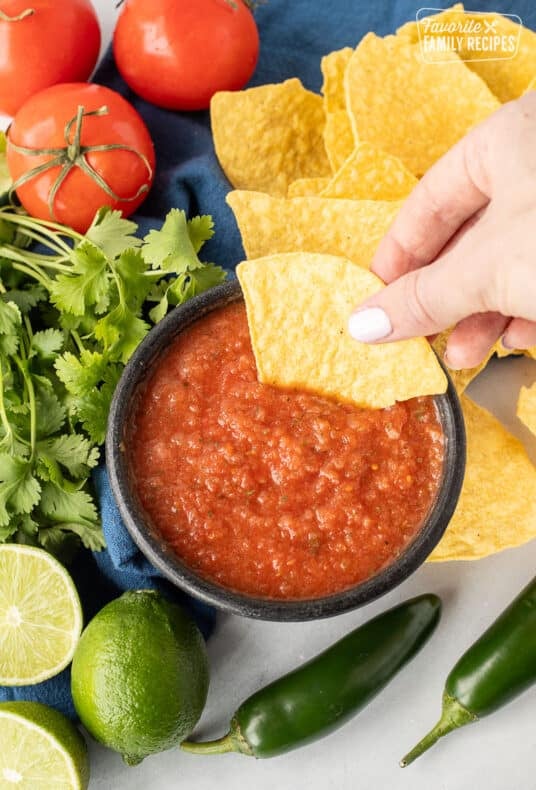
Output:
(462, 250)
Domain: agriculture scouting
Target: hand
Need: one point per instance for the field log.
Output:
(462, 250)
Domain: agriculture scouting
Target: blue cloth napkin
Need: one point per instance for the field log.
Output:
(294, 37)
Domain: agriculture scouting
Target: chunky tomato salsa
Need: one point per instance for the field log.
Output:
(280, 494)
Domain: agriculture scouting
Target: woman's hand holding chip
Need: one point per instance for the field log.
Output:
(462, 250)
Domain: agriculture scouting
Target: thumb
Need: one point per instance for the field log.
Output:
(422, 302)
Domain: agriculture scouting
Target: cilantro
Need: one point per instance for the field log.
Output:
(70, 318)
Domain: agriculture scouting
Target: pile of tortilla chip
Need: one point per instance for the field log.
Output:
(325, 175)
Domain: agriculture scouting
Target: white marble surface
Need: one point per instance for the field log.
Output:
(498, 753)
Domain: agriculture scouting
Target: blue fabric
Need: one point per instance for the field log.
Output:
(294, 36)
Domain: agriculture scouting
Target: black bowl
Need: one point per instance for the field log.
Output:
(162, 556)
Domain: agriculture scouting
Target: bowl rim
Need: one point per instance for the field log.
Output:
(173, 568)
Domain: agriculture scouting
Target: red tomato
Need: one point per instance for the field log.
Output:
(58, 42)
(178, 53)
(42, 123)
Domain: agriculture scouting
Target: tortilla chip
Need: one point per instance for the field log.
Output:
(508, 74)
(460, 378)
(351, 228)
(333, 67)
(371, 174)
(526, 407)
(304, 187)
(402, 105)
(298, 307)
(530, 352)
(497, 506)
(267, 137)
(410, 30)
(339, 139)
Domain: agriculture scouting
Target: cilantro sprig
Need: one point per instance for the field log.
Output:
(72, 311)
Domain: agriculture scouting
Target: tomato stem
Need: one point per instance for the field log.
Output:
(74, 154)
(23, 15)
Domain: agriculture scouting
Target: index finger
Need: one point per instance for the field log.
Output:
(443, 200)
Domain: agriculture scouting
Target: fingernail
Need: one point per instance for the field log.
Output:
(369, 325)
(506, 345)
(449, 363)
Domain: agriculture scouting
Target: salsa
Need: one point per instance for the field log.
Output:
(276, 493)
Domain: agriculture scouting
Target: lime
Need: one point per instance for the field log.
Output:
(140, 675)
(40, 615)
(41, 749)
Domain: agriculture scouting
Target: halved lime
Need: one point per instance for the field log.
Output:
(41, 749)
(40, 616)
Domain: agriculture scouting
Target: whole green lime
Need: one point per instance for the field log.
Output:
(140, 675)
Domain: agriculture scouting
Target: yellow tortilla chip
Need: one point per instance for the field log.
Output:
(303, 187)
(410, 30)
(460, 378)
(351, 228)
(339, 138)
(526, 407)
(267, 137)
(530, 352)
(333, 67)
(501, 351)
(507, 68)
(298, 307)
(371, 174)
(497, 506)
(409, 108)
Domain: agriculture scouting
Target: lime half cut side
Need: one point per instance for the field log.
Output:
(40, 616)
(41, 749)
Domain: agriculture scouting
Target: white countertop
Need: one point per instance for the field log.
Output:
(498, 753)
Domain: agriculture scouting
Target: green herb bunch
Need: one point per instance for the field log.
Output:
(72, 311)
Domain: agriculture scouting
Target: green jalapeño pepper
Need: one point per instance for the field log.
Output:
(495, 669)
(324, 693)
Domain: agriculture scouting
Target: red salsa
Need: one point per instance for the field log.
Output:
(276, 493)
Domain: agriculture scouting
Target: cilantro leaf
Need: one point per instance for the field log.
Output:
(26, 298)
(86, 285)
(171, 247)
(92, 408)
(112, 233)
(72, 511)
(80, 375)
(47, 343)
(131, 268)
(19, 489)
(10, 318)
(74, 452)
(200, 230)
(50, 412)
(121, 332)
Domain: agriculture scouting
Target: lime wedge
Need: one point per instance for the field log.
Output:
(40, 616)
(41, 749)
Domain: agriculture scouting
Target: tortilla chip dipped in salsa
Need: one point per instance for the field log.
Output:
(298, 307)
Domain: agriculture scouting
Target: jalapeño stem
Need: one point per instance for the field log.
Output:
(453, 716)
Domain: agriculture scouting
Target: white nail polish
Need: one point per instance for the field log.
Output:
(369, 325)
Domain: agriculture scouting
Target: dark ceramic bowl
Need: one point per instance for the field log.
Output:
(161, 555)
